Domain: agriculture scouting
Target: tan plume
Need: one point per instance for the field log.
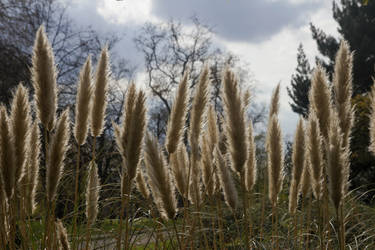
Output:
(44, 73)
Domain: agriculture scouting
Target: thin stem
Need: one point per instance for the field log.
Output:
(263, 203)
(244, 201)
(46, 140)
(76, 197)
(88, 236)
(178, 237)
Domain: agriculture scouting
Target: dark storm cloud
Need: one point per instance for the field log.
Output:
(241, 20)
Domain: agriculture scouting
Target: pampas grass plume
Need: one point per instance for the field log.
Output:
(20, 119)
(32, 169)
(179, 164)
(320, 99)
(235, 125)
(7, 156)
(92, 193)
(251, 164)
(338, 163)
(83, 98)
(99, 103)
(176, 122)
(275, 159)
(226, 180)
(315, 154)
(298, 160)
(56, 154)
(159, 180)
(342, 84)
(43, 73)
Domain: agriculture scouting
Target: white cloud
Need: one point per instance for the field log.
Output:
(125, 12)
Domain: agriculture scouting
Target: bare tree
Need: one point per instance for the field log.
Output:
(19, 21)
(170, 49)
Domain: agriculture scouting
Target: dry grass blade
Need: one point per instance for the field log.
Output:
(251, 164)
(62, 235)
(141, 184)
(235, 123)
(372, 120)
(44, 79)
(83, 98)
(298, 159)
(7, 156)
(56, 154)
(100, 94)
(159, 179)
(176, 122)
(320, 99)
(21, 122)
(315, 154)
(275, 159)
(226, 180)
(92, 193)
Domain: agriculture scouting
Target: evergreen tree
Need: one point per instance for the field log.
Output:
(300, 84)
(356, 21)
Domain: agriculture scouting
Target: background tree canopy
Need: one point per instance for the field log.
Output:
(356, 24)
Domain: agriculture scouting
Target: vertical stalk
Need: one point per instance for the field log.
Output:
(76, 200)
(45, 196)
(263, 203)
(244, 201)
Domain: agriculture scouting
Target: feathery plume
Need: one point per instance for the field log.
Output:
(320, 99)
(92, 193)
(275, 103)
(83, 103)
(251, 164)
(43, 74)
(62, 235)
(212, 129)
(99, 103)
(298, 160)
(235, 124)
(20, 123)
(141, 184)
(7, 155)
(32, 169)
(338, 163)
(56, 154)
(162, 188)
(315, 154)
(274, 106)
(129, 138)
(305, 186)
(275, 159)
(180, 164)
(198, 109)
(176, 123)
(226, 180)
(342, 84)
(207, 166)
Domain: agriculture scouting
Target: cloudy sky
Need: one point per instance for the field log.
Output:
(264, 33)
